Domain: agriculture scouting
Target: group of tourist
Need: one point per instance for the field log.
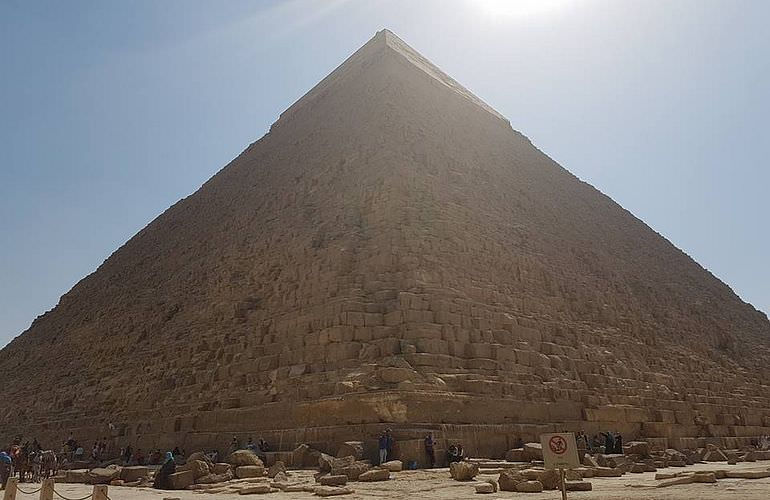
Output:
(761, 443)
(259, 448)
(604, 442)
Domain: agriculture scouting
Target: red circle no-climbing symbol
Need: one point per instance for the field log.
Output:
(558, 445)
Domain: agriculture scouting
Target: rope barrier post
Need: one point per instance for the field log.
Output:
(10, 489)
(46, 490)
(100, 492)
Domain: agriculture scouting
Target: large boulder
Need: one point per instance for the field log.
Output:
(549, 478)
(181, 480)
(463, 471)
(347, 466)
(199, 468)
(484, 488)
(509, 478)
(325, 462)
(134, 473)
(641, 448)
(221, 468)
(393, 465)
(353, 471)
(304, 456)
(199, 455)
(375, 475)
(245, 471)
(353, 449)
(276, 468)
(103, 475)
(243, 457)
(533, 451)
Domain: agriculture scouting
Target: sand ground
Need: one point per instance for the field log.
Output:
(436, 484)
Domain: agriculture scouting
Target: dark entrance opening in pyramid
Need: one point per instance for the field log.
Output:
(392, 254)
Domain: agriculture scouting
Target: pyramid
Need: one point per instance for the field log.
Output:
(392, 253)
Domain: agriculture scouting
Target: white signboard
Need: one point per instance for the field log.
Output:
(560, 450)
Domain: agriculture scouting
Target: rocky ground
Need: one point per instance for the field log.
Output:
(437, 484)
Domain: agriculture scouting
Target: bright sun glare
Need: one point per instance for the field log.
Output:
(501, 9)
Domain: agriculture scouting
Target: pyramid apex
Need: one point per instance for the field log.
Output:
(385, 39)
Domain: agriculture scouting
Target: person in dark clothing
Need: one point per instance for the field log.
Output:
(162, 481)
(127, 454)
(382, 444)
(618, 443)
(609, 443)
(429, 450)
(451, 454)
(389, 435)
(5, 468)
(455, 453)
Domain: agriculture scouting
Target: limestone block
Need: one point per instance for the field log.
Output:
(199, 468)
(245, 471)
(607, 472)
(103, 475)
(258, 489)
(578, 486)
(329, 491)
(339, 480)
(509, 478)
(484, 488)
(374, 475)
(134, 473)
(704, 477)
(529, 487)
(747, 474)
(676, 481)
(221, 468)
(549, 478)
(181, 480)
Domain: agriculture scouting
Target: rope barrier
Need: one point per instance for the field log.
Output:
(28, 492)
(67, 498)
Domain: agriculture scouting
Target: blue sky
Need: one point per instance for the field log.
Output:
(112, 111)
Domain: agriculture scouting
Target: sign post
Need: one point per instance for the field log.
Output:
(560, 452)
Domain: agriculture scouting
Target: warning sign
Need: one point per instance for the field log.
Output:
(559, 450)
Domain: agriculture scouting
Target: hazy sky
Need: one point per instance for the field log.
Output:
(111, 111)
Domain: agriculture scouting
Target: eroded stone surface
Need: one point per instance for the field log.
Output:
(392, 251)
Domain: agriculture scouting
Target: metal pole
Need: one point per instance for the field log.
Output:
(563, 485)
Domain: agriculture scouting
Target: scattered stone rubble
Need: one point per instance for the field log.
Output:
(244, 473)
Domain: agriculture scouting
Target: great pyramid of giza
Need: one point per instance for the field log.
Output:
(391, 253)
